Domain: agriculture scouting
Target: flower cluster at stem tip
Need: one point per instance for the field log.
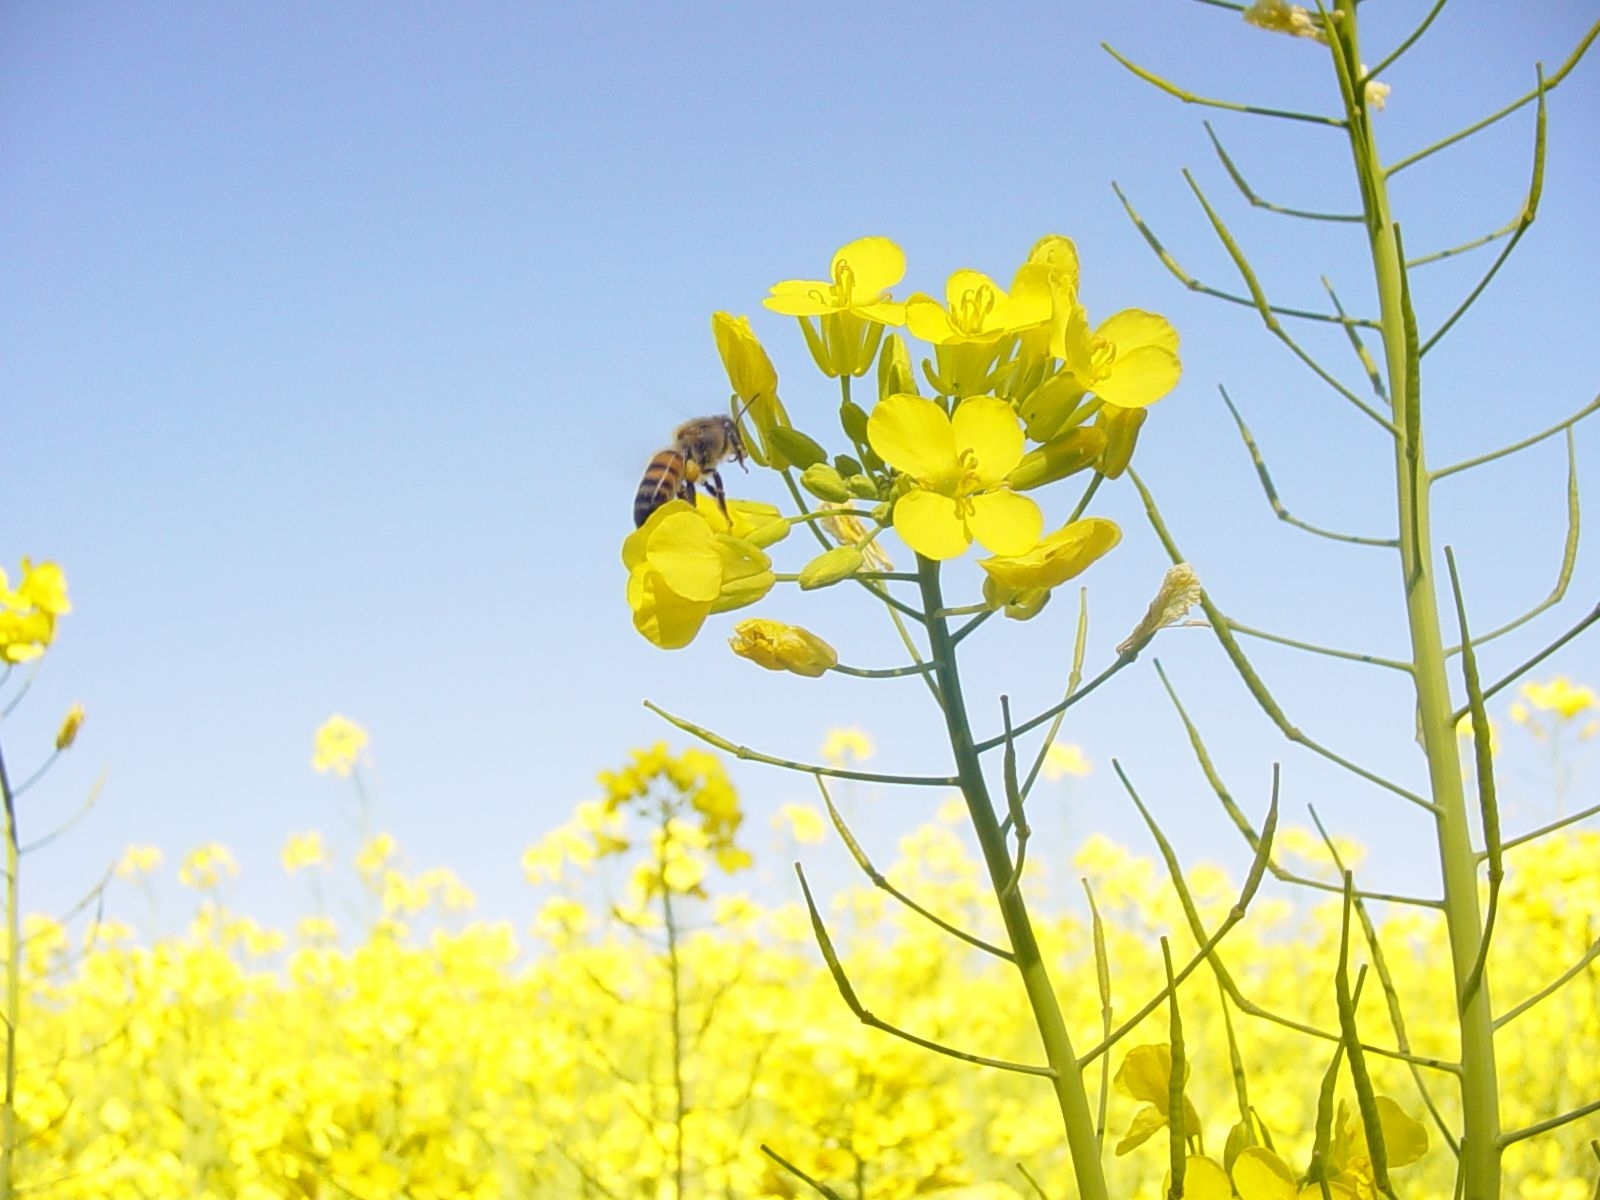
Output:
(1020, 390)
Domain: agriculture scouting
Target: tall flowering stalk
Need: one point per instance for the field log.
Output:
(1472, 866)
(1022, 392)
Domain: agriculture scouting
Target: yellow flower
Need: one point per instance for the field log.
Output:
(680, 571)
(1067, 552)
(1063, 759)
(1405, 1140)
(379, 851)
(804, 822)
(846, 745)
(754, 380)
(70, 724)
(957, 468)
(1146, 1074)
(973, 331)
(780, 647)
(853, 305)
(206, 866)
(1560, 696)
(28, 615)
(304, 850)
(337, 746)
(138, 861)
(1130, 361)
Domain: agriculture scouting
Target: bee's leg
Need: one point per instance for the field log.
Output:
(713, 482)
(686, 490)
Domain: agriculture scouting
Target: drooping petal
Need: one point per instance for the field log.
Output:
(683, 550)
(1139, 377)
(660, 614)
(929, 320)
(1405, 1139)
(1259, 1174)
(1054, 560)
(1004, 522)
(987, 426)
(913, 434)
(931, 525)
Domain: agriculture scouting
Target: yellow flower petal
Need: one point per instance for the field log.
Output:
(1051, 562)
(876, 264)
(987, 426)
(1140, 377)
(1404, 1139)
(1004, 522)
(1259, 1174)
(683, 551)
(913, 435)
(1135, 327)
(931, 525)
(661, 614)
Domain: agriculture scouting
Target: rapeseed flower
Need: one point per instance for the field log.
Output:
(337, 746)
(975, 327)
(851, 307)
(956, 466)
(28, 614)
(680, 571)
(1053, 560)
(1146, 1074)
(780, 647)
(1130, 360)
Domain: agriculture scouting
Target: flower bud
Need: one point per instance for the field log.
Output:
(1065, 455)
(830, 567)
(1121, 427)
(823, 482)
(780, 647)
(68, 733)
(862, 487)
(800, 450)
(895, 374)
(853, 419)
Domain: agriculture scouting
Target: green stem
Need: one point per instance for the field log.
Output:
(1481, 1142)
(1067, 1077)
(8, 1114)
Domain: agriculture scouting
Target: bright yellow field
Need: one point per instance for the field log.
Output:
(447, 1058)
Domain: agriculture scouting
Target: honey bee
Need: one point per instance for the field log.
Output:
(698, 448)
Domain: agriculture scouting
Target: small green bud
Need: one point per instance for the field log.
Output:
(830, 567)
(1073, 451)
(796, 446)
(823, 482)
(883, 513)
(846, 465)
(862, 487)
(894, 369)
(854, 420)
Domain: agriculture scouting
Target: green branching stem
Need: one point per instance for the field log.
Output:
(1552, 987)
(1514, 447)
(1204, 289)
(1247, 673)
(1389, 59)
(1268, 316)
(1371, 660)
(830, 957)
(815, 1185)
(1555, 1122)
(745, 754)
(1549, 85)
(880, 881)
(13, 1000)
(1267, 486)
(1055, 710)
(1256, 201)
(1189, 97)
(61, 830)
(922, 668)
(1530, 209)
(1569, 559)
(1065, 1073)
(1562, 823)
(1358, 347)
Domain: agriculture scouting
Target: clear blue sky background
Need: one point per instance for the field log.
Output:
(333, 340)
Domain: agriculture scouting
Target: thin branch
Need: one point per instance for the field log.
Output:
(1205, 289)
(744, 753)
(1371, 660)
(1551, 988)
(1530, 210)
(1074, 678)
(1374, 376)
(1549, 85)
(922, 668)
(1424, 260)
(836, 969)
(1468, 464)
(1188, 97)
(820, 1188)
(1389, 59)
(1247, 673)
(881, 882)
(61, 830)
(1573, 819)
(1268, 487)
(1206, 946)
(1256, 201)
(1569, 559)
(1035, 721)
(1269, 318)
(1528, 1131)
(1247, 831)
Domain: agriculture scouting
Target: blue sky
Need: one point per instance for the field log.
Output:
(334, 339)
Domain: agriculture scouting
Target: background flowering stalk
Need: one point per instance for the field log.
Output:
(942, 471)
(1396, 408)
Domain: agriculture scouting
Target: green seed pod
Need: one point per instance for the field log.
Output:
(823, 482)
(797, 447)
(1068, 454)
(830, 567)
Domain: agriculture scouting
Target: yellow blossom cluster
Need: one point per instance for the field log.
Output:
(435, 1057)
